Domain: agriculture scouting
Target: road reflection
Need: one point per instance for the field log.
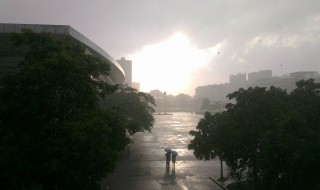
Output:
(169, 178)
(145, 168)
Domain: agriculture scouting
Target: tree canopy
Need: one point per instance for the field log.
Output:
(54, 133)
(135, 107)
(267, 137)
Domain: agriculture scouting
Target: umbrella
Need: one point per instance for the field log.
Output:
(174, 153)
(167, 150)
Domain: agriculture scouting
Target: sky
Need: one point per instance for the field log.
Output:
(177, 45)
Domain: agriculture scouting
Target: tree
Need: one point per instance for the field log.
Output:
(256, 110)
(54, 134)
(135, 107)
(205, 104)
(204, 144)
(217, 106)
(289, 158)
(267, 137)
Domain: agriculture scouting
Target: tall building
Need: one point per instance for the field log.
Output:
(10, 55)
(127, 67)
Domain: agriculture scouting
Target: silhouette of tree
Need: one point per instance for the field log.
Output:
(203, 144)
(135, 107)
(54, 133)
(267, 137)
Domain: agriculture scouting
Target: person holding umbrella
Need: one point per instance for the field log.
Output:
(168, 156)
(174, 156)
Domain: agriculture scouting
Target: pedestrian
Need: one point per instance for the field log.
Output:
(168, 156)
(174, 156)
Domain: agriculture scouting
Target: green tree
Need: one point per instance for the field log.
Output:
(204, 144)
(53, 132)
(289, 159)
(256, 110)
(217, 106)
(135, 107)
(267, 137)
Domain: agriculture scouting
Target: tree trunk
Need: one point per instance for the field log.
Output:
(221, 171)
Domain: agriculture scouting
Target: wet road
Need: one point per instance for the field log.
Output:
(145, 167)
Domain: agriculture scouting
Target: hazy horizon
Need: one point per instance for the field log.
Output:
(177, 45)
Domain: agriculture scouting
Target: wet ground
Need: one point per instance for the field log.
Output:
(145, 167)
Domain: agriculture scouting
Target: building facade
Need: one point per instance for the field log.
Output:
(136, 85)
(265, 74)
(127, 67)
(218, 92)
(10, 55)
(237, 81)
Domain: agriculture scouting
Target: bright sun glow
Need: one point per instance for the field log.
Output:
(168, 65)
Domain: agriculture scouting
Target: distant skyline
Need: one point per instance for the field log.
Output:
(177, 45)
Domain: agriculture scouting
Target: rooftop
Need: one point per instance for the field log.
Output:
(116, 73)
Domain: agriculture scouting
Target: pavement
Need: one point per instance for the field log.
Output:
(145, 169)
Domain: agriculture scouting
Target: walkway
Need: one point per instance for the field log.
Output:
(145, 167)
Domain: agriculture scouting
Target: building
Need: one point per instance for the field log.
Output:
(218, 92)
(303, 75)
(10, 55)
(127, 67)
(265, 74)
(136, 85)
(286, 82)
(237, 81)
(214, 92)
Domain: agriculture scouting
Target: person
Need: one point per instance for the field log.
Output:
(174, 156)
(168, 156)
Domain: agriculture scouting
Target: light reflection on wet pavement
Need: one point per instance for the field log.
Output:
(145, 167)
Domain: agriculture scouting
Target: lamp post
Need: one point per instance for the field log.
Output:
(165, 103)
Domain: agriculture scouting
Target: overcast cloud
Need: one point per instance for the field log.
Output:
(283, 36)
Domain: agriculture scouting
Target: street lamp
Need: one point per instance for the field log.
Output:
(165, 102)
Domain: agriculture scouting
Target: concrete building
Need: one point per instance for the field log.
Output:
(265, 74)
(136, 85)
(281, 82)
(218, 92)
(285, 82)
(237, 81)
(127, 67)
(214, 92)
(10, 55)
(303, 75)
